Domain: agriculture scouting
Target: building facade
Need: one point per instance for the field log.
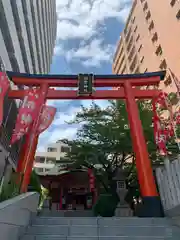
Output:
(53, 160)
(27, 34)
(150, 40)
(27, 39)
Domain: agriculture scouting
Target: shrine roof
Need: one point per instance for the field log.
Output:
(60, 173)
(161, 74)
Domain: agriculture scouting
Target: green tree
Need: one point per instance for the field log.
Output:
(104, 140)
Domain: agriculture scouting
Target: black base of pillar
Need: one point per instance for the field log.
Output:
(151, 207)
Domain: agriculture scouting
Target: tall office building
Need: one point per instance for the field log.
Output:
(150, 40)
(27, 34)
(27, 39)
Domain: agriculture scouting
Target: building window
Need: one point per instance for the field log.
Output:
(148, 15)
(159, 51)
(173, 2)
(39, 170)
(28, 28)
(131, 54)
(50, 160)
(163, 65)
(121, 63)
(124, 70)
(47, 169)
(128, 35)
(133, 20)
(130, 44)
(137, 70)
(178, 15)
(155, 37)
(138, 36)
(50, 149)
(36, 37)
(140, 48)
(20, 35)
(167, 81)
(135, 29)
(151, 26)
(134, 63)
(145, 7)
(142, 59)
(40, 159)
(64, 149)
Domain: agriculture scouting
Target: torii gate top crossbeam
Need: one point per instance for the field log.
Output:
(144, 79)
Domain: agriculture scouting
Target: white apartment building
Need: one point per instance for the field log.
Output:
(53, 160)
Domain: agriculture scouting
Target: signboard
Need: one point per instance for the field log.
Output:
(85, 84)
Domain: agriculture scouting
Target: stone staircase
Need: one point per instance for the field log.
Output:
(91, 228)
(67, 213)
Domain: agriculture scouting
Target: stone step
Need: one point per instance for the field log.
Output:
(67, 213)
(57, 237)
(133, 221)
(138, 231)
(102, 221)
(64, 221)
(79, 230)
(87, 230)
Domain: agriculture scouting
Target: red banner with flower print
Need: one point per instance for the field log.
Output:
(91, 180)
(46, 118)
(159, 135)
(162, 132)
(28, 112)
(4, 86)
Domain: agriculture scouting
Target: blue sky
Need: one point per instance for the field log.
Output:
(87, 35)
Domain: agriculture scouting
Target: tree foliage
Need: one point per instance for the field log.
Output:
(104, 141)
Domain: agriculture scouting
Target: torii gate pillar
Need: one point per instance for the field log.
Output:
(150, 196)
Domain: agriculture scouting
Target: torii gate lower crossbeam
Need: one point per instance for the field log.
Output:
(129, 92)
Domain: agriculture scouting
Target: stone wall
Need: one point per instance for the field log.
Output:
(168, 178)
(16, 214)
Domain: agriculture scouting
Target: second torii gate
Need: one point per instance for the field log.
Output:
(129, 90)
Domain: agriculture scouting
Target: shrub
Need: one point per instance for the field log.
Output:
(35, 184)
(10, 190)
(106, 205)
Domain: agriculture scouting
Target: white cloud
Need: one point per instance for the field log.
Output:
(87, 14)
(68, 133)
(91, 54)
(51, 137)
(80, 19)
(67, 30)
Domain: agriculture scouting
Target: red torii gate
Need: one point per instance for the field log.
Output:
(128, 91)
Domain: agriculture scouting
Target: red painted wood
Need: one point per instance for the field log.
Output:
(144, 168)
(99, 94)
(98, 82)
